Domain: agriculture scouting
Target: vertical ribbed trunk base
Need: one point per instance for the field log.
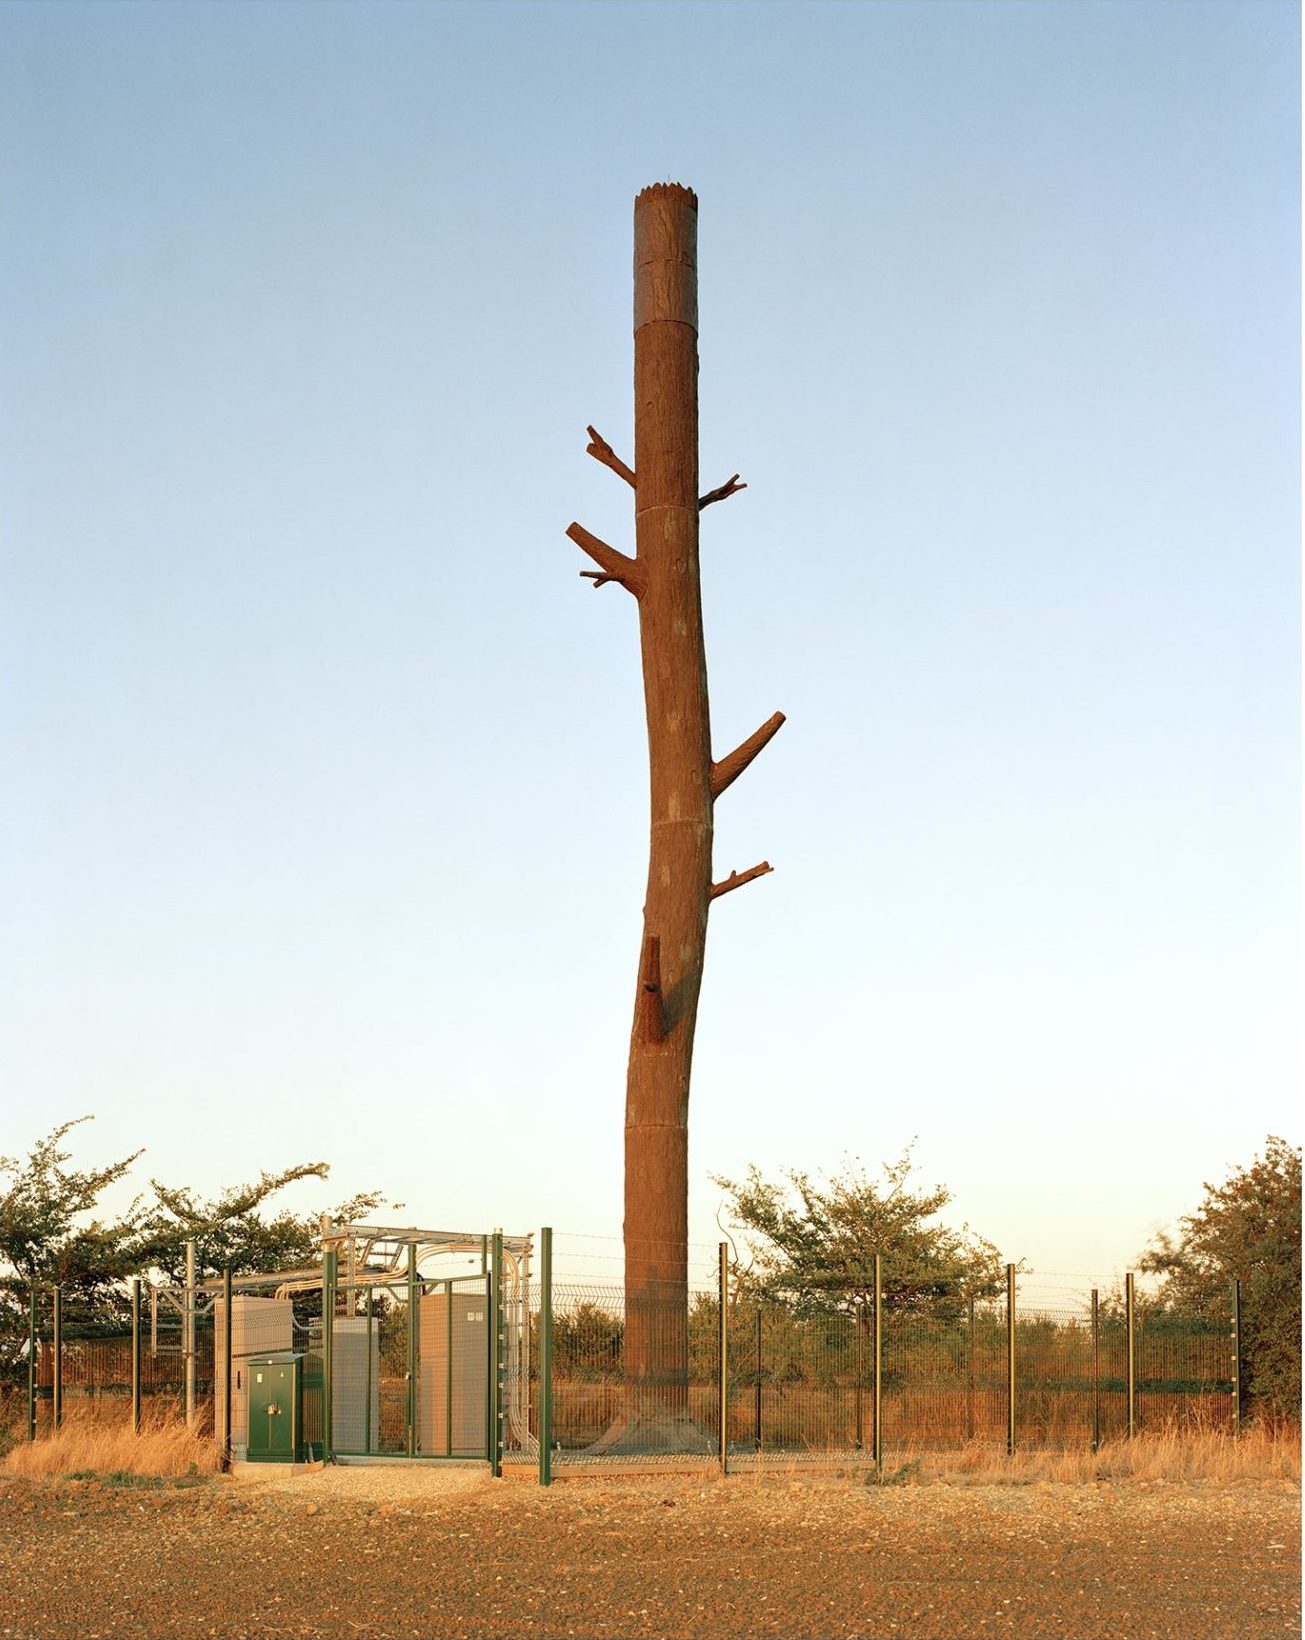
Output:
(651, 1433)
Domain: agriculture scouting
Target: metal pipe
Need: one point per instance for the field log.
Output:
(969, 1369)
(1096, 1372)
(1237, 1355)
(56, 1394)
(135, 1355)
(1130, 1323)
(31, 1365)
(756, 1420)
(491, 1370)
(723, 1288)
(1010, 1360)
(546, 1356)
(226, 1367)
(516, 1345)
(879, 1364)
(188, 1340)
(496, 1357)
(859, 1369)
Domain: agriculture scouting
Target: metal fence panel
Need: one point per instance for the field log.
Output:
(413, 1361)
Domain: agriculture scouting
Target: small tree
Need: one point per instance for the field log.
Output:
(230, 1232)
(1246, 1229)
(53, 1231)
(46, 1235)
(813, 1245)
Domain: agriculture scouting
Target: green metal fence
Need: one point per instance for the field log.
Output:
(853, 1376)
(500, 1367)
(83, 1358)
(603, 1406)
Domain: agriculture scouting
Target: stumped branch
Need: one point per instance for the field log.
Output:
(650, 1024)
(736, 879)
(613, 565)
(721, 493)
(732, 765)
(601, 450)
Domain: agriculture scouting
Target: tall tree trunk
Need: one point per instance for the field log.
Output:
(684, 783)
(679, 762)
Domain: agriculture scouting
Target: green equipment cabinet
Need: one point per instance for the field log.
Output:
(284, 1407)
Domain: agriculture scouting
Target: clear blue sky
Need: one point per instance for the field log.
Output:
(324, 812)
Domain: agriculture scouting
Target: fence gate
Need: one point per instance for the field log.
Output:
(410, 1369)
(453, 1379)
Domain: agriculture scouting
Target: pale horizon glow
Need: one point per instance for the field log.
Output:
(324, 828)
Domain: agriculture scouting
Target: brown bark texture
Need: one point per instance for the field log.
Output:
(656, 1345)
(683, 784)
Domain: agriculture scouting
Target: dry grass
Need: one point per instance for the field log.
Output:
(932, 1412)
(96, 1438)
(100, 1441)
(1167, 1455)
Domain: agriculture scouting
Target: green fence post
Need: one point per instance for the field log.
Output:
(56, 1395)
(188, 1341)
(756, 1420)
(969, 1369)
(879, 1365)
(1131, 1353)
(1010, 1360)
(723, 1288)
(491, 1269)
(411, 1376)
(448, 1371)
(31, 1365)
(546, 1357)
(367, 1404)
(226, 1368)
(1096, 1372)
(330, 1277)
(1237, 1355)
(136, 1354)
(496, 1356)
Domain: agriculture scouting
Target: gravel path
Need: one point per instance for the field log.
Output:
(402, 1555)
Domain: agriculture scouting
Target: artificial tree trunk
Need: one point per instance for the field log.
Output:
(684, 784)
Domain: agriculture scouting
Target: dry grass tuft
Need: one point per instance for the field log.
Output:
(100, 1441)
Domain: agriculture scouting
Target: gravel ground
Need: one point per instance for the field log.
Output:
(407, 1555)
